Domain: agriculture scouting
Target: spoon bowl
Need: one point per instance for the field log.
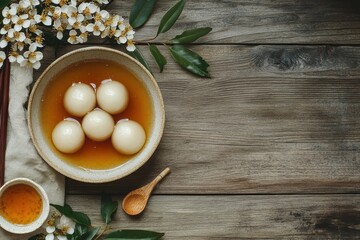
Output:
(134, 204)
(135, 201)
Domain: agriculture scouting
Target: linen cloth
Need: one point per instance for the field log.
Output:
(22, 159)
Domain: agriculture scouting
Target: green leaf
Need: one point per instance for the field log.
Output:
(108, 208)
(190, 60)
(190, 36)
(170, 17)
(71, 236)
(80, 229)
(138, 56)
(134, 234)
(89, 235)
(159, 58)
(141, 12)
(78, 217)
(4, 3)
(65, 210)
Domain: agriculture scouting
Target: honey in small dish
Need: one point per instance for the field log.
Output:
(95, 154)
(20, 204)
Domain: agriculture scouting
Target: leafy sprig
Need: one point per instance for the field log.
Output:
(53, 32)
(85, 231)
(78, 217)
(186, 58)
(141, 12)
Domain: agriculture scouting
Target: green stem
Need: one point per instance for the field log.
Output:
(145, 40)
(105, 228)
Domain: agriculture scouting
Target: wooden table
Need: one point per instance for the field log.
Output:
(266, 148)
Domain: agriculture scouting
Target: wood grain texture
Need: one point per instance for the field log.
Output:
(259, 21)
(273, 119)
(278, 121)
(239, 217)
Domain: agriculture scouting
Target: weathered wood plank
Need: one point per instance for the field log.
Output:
(258, 21)
(273, 119)
(239, 217)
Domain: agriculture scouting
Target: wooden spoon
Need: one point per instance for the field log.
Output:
(135, 202)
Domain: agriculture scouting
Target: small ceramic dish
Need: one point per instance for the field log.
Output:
(81, 173)
(43, 213)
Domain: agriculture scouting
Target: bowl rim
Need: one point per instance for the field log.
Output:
(74, 176)
(31, 227)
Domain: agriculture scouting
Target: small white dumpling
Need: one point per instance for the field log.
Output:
(112, 96)
(128, 137)
(68, 136)
(98, 125)
(79, 99)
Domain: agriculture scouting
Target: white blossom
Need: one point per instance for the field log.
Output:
(8, 13)
(14, 56)
(29, 3)
(73, 15)
(17, 36)
(4, 41)
(73, 3)
(56, 14)
(32, 57)
(4, 30)
(130, 46)
(59, 27)
(120, 24)
(106, 32)
(114, 20)
(50, 236)
(130, 34)
(102, 1)
(21, 21)
(19, 46)
(50, 229)
(39, 41)
(34, 2)
(88, 9)
(66, 225)
(104, 15)
(122, 39)
(46, 20)
(73, 38)
(83, 37)
(96, 28)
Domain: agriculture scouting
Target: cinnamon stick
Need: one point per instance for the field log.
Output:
(5, 82)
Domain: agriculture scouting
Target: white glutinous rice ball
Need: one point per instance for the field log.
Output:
(68, 136)
(79, 99)
(98, 125)
(112, 96)
(128, 137)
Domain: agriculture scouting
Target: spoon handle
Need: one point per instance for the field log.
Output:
(149, 187)
(165, 172)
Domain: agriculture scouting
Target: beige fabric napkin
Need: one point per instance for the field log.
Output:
(22, 159)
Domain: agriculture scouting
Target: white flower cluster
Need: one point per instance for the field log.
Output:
(25, 25)
(57, 227)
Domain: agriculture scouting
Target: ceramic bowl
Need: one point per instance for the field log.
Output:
(26, 228)
(79, 173)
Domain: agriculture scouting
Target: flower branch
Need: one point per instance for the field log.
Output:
(186, 58)
(26, 26)
(66, 224)
(26, 23)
